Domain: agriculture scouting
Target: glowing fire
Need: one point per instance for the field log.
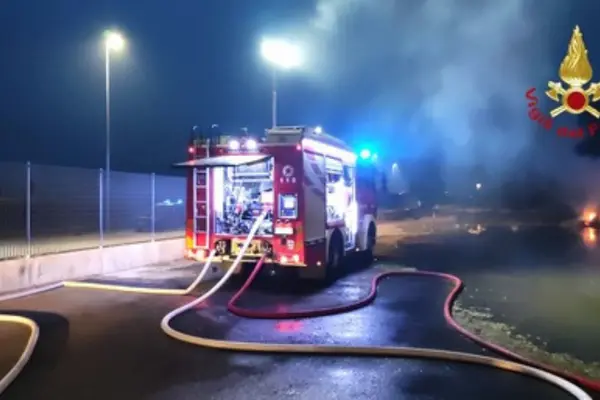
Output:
(590, 238)
(479, 229)
(589, 216)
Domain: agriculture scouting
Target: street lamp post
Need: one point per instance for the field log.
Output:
(274, 98)
(113, 42)
(281, 54)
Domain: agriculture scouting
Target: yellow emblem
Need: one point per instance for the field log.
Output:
(576, 71)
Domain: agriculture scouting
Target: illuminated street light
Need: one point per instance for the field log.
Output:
(281, 54)
(478, 186)
(113, 41)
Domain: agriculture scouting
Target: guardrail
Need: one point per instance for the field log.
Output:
(49, 209)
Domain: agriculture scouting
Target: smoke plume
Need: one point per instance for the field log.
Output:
(449, 74)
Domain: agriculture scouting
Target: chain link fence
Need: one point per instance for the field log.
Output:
(49, 209)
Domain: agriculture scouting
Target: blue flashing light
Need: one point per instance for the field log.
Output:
(365, 154)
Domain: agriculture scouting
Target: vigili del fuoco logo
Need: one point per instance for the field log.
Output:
(574, 97)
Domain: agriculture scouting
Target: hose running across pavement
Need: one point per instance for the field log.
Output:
(35, 330)
(457, 287)
(342, 350)
(34, 335)
(552, 377)
(145, 290)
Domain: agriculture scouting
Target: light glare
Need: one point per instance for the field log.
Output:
(234, 145)
(251, 144)
(114, 41)
(281, 53)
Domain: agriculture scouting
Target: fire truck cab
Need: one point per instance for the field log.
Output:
(318, 201)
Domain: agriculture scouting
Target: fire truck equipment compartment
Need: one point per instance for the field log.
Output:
(240, 194)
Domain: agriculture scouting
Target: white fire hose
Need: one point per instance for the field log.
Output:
(287, 348)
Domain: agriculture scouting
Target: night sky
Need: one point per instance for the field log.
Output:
(402, 76)
(191, 63)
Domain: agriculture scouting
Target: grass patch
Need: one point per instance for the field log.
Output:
(482, 324)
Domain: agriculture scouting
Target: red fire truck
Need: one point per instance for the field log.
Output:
(319, 201)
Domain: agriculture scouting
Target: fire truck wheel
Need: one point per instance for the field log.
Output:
(371, 242)
(336, 252)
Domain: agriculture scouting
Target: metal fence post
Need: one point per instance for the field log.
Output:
(101, 206)
(28, 208)
(153, 205)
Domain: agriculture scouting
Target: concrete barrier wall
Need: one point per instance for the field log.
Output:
(26, 273)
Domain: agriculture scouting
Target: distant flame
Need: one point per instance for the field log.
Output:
(479, 229)
(590, 238)
(589, 216)
(576, 69)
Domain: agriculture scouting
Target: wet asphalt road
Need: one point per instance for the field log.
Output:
(106, 345)
(545, 281)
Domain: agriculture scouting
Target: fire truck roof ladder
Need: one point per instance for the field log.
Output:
(202, 202)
